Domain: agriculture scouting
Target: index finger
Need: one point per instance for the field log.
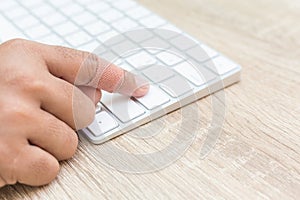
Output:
(87, 69)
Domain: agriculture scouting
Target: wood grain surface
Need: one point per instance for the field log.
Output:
(257, 154)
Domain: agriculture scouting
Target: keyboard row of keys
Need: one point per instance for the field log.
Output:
(125, 109)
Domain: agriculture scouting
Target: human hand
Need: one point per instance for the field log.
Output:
(41, 108)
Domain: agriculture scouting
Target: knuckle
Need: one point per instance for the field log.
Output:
(21, 45)
(16, 43)
(19, 113)
(27, 83)
(37, 86)
(32, 84)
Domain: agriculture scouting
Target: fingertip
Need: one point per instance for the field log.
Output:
(141, 91)
(38, 167)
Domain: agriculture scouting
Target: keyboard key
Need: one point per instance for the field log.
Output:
(221, 65)
(154, 98)
(71, 9)
(31, 3)
(137, 12)
(51, 39)
(124, 47)
(153, 21)
(54, 19)
(97, 7)
(104, 37)
(10, 30)
(139, 36)
(103, 123)
(111, 15)
(210, 52)
(124, 108)
(154, 51)
(155, 43)
(183, 42)
(7, 5)
(15, 12)
(176, 86)
(126, 66)
(171, 28)
(66, 28)
(98, 107)
(202, 53)
(97, 28)
(169, 58)
(124, 25)
(158, 73)
(84, 18)
(141, 60)
(78, 38)
(43, 10)
(26, 22)
(38, 31)
(124, 4)
(90, 47)
(165, 33)
(197, 75)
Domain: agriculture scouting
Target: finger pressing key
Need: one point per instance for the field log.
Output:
(87, 69)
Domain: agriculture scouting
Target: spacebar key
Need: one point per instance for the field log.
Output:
(124, 108)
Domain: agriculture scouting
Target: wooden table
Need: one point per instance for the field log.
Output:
(257, 154)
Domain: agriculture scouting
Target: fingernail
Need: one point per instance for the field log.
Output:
(143, 86)
(141, 91)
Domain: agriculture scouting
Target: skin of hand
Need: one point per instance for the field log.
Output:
(46, 94)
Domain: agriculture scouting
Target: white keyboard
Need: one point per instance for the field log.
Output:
(179, 68)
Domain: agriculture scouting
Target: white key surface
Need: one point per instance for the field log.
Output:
(221, 65)
(42, 10)
(158, 73)
(137, 12)
(182, 42)
(10, 31)
(124, 25)
(38, 31)
(66, 28)
(54, 19)
(201, 53)
(194, 74)
(154, 98)
(97, 27)
(169, 58)
(97, 7)
(124, 108)
(84, 18)
(17, 12)
(111, 15)
(78, 38)
(102, 123)
(26, 22)
(153, 21)
(141, 59)
(72, 9)
(176, 86)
